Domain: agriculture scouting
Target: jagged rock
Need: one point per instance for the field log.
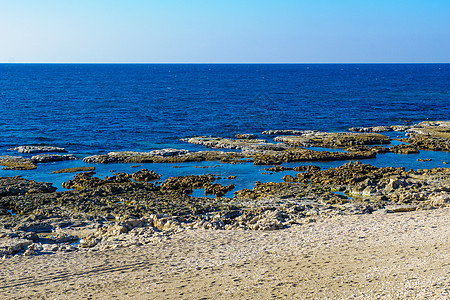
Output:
(85, 180)
(82, 180)
(145, 175)
(164, 222)
(288, 178)
(11, 186)
(185, 184)
(439, 199)
(217, 189)
(29, 252)
(270, 220)
(112, 230)
(278, 169)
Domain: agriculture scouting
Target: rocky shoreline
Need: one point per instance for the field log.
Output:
(138, 208)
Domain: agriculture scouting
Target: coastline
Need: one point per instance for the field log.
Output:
(346, 232)
(95, 213)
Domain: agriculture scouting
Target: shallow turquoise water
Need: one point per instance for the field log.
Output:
(247, 173)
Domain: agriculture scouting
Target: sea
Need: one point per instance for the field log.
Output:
(97, 108)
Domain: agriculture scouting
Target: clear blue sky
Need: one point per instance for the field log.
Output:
(224, 31)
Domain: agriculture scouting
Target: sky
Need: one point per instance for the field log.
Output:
(223, 31)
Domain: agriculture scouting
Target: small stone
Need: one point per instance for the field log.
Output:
(50, 247)
(29, 252)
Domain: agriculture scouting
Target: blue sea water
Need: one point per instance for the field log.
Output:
(97, 108)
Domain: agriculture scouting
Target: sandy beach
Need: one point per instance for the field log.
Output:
(370, 256)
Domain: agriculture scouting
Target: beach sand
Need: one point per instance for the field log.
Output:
(372, 256)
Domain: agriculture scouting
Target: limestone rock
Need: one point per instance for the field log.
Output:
(334, 139)
(242, 144)
(16, 163)
(288, 132)
(43, 158)
(145, 175)
(74, 170)
(217, 189)
(10, 186)
(13, 245)
(245, 136)
(169, 152)
(37, 149)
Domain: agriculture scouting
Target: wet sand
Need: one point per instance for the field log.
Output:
(377, 256)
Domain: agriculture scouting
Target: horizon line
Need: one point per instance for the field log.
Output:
(224, 62)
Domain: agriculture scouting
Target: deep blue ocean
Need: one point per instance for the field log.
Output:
(97, 108)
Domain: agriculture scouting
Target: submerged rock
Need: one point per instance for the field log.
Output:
(74, 170)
